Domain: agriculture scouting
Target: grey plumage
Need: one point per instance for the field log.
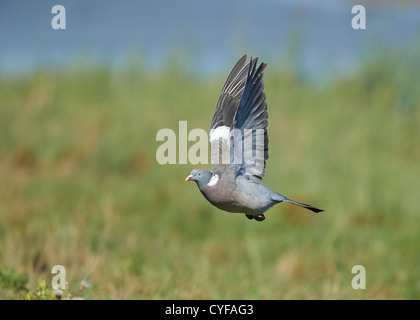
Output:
(239, 147)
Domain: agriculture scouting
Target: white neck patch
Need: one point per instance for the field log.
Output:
(213, 180)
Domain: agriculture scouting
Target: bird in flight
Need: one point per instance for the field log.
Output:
(239, 147)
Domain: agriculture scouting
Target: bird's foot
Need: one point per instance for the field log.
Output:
(259, 217)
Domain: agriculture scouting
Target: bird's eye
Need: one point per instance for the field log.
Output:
(199, 174)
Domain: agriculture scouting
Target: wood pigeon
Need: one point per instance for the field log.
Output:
(239, 147)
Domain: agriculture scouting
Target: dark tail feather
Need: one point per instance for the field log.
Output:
(307, 206)
(278, 197)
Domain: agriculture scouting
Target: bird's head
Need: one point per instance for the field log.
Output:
(201, 177)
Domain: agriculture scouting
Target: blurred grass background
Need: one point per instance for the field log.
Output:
(80, 186)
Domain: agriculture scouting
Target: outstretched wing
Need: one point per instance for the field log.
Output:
(251, 119)
(238, 135)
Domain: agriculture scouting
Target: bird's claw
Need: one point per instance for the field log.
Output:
(258, 217)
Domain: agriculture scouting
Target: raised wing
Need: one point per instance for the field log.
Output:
(238, 135)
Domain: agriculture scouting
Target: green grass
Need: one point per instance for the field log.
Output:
(80, 187)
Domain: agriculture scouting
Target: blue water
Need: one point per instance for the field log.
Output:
(315, 37)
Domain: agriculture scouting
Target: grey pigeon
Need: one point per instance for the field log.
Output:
(239, 147)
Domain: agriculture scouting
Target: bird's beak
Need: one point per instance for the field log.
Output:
(189, 178)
